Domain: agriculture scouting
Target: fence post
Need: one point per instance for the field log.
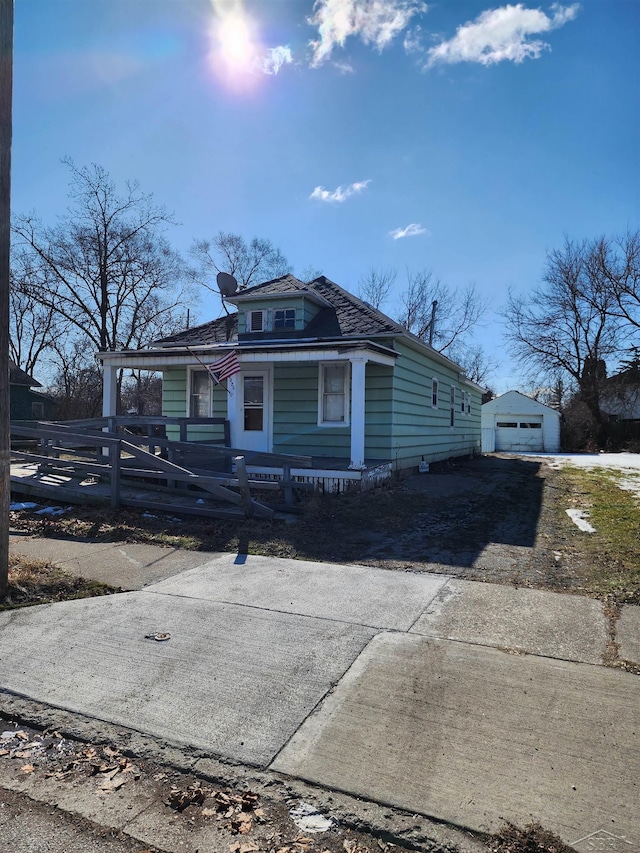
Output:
(286, 482)
(243, 482)
(114, 461)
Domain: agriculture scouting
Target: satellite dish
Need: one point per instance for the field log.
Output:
(227, 285)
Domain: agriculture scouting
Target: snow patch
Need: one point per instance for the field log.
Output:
(579, 518)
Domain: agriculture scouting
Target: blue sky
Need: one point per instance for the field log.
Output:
(331, 127)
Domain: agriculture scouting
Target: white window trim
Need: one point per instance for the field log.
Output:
(347, 397)
(190, 371)
(283, 309)
(435, 382)
(249, 324)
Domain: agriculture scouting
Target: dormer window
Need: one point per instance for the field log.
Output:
(284, 318)
(257, 321)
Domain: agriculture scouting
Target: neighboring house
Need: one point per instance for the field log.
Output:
(620, 395)
(25, 403)
(322, 374)
(515, 423)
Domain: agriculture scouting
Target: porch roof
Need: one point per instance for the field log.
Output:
(251, 353)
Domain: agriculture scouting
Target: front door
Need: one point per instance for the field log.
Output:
(254, 399)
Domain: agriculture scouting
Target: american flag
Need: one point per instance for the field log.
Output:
(224, 367)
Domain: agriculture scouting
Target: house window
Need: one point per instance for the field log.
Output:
(37, 410)
(253, 403)
(256, 321)
(452, 398)
(463, 400)
(531, 425)
(468, 402)
(334, 395)
(434, 393)
(200, 396)
(507, 425)
(284, 318)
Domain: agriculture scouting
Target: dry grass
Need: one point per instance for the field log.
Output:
(36, 582)
(612, 553)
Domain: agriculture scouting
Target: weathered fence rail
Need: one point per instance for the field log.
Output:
(136, 462)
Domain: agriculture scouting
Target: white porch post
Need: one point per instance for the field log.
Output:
(358, 366)
(233, 384)
(109, 390)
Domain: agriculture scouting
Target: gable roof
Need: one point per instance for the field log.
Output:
(516, 402)
(344, 315)
(630, 376)
(341, 315)
(17, 376)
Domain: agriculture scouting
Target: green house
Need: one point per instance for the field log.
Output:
(319, 373)
(25, 404)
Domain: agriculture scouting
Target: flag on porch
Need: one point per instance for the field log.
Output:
(224, 367)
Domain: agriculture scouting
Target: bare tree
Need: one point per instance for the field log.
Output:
(455, 315)
(77, 380)
(567, 327)
(32, 326)
(250, 262)
(617, 262)
(106, 269)
(477, 364)
(375, 285)
(309, 273)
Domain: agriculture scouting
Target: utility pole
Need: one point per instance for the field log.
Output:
(6, 86)
(432, 323)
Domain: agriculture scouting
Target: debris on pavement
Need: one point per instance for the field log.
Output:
(307, 818)
(243, 820)
(531, 839)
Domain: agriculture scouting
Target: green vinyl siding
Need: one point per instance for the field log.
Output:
(269, 306)
(419, 430)
(377, 423)
(175, 395)
(295, 415)
(309, 311)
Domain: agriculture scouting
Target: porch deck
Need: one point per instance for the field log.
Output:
(105, 462)
(331, 474)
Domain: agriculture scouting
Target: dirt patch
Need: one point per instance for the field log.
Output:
(495, 519)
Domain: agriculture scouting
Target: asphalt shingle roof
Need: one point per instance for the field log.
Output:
(347, 316)
(17, 376)
(220, 331)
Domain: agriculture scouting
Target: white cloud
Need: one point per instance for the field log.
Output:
(341, 193)
(344, 67)
(275, 58)
(412, 230)
(502, 34)
(376, 22)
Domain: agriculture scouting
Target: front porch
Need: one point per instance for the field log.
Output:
(125, 461)
(328, 402)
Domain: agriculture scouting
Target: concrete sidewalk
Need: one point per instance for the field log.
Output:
(470, 703)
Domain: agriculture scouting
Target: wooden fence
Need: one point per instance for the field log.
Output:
(131, 462)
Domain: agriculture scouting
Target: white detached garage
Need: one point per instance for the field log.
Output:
(514, 423)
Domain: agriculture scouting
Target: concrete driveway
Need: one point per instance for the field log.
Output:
(466, 702)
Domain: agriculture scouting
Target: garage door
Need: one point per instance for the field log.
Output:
(519, 433)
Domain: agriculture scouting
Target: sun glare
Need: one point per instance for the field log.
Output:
(236, 45)
(235, 49)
